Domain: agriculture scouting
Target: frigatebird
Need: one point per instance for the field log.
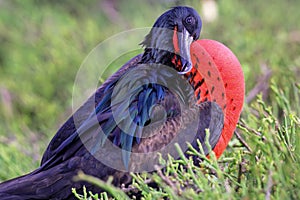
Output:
(156, 99)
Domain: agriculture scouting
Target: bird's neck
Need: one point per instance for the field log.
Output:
(161, 56)
(159, 48)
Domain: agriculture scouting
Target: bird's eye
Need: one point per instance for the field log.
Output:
(190, 20)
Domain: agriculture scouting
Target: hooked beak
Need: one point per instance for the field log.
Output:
(182, 43)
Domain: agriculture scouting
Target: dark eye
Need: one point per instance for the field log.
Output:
(190, 20)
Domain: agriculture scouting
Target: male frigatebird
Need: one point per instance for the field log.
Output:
(156, 99)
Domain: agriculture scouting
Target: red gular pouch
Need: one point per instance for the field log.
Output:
(217, 76)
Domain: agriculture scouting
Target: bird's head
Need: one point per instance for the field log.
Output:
(172, 34)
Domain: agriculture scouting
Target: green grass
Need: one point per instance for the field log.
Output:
(43, 44)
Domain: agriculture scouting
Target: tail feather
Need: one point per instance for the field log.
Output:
(31, 186)
(54, 183)
(57, 181)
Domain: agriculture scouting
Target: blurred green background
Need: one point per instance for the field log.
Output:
(43, 44)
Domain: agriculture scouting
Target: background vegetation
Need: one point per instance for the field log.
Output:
(43, 44)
